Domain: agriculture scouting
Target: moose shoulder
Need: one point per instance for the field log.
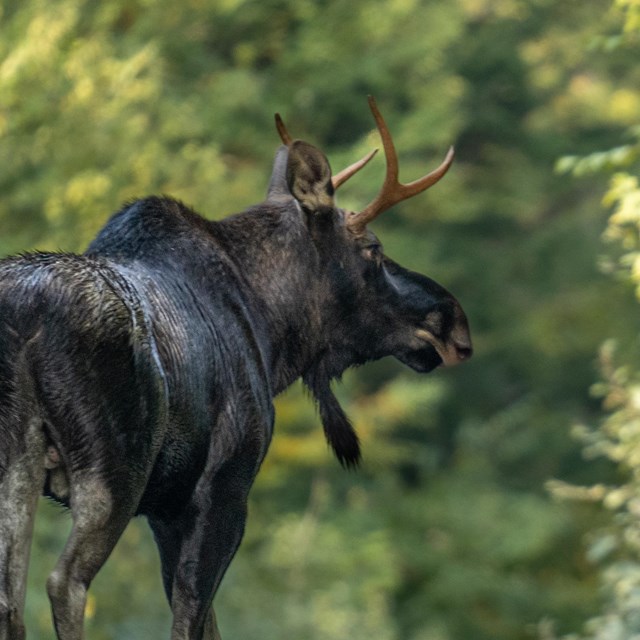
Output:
(138, 378)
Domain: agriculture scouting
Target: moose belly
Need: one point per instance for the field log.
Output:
(178, 466)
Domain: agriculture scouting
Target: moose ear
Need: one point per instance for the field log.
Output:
(309, 177)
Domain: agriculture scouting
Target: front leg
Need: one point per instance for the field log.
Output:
(168, 538)
(212, 526)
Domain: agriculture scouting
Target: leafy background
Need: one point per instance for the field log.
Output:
(497, 500)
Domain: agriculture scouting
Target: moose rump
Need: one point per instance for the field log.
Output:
(81, 403)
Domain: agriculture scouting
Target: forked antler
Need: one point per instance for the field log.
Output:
(393, 191)
(342, 176)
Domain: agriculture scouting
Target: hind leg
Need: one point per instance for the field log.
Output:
(211, 627)
(21, 483)
(99, 518)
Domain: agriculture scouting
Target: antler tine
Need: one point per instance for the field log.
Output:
(282, 130)
(345, 174)
(393, 191)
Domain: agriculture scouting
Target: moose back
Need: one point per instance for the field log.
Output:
(138, 378)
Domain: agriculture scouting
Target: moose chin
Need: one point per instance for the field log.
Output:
(138, 378)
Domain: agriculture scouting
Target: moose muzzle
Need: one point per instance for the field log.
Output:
(455, 347)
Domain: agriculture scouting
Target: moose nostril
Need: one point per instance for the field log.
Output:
(464, 352)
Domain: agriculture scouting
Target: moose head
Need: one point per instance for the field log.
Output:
(366, 306)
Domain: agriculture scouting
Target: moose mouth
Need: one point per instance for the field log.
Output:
(423, 360)
(452, 351)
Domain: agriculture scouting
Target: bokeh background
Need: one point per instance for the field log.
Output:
(496, 500)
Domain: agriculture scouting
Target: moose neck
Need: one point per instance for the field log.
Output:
(273, 252)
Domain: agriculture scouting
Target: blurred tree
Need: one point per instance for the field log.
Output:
(615, 547)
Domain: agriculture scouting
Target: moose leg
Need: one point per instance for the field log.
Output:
(214, 525)
(99, 518)
(211, 626)
(20, 485)
(169, 541)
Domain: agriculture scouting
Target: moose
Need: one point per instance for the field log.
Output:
(138, 377)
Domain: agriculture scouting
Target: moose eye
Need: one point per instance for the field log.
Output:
(373, 252)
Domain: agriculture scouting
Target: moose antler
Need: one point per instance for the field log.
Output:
(393, 191)
(342, 176)
(345, 174)
(282, 130)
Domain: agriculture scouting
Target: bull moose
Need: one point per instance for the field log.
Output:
(138, 378)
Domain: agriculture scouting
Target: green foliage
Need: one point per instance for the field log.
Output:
(617, 546)
(447, 532)
(631, 10)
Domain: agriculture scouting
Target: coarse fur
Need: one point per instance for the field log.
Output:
(138, 378)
